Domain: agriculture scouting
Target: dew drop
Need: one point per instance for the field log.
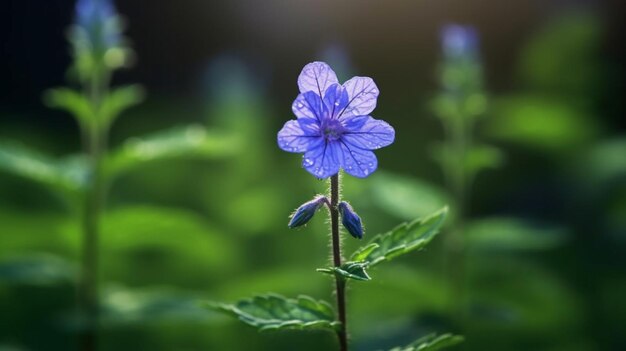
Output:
(308, 161)
(299, 105)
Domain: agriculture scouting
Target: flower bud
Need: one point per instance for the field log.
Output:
(306, 211)
(350, 220)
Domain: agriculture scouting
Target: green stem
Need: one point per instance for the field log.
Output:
(95, 145)
(459, 140)
(340, 283)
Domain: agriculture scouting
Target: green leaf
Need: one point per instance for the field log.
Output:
(363, 252)
(432, 342)
(66, 174)
(274, 312)
(404, 238)
(71, 101)
(119, 100)
(349, 270)
(181, 142)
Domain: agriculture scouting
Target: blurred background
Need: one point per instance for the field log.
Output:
(543, 223)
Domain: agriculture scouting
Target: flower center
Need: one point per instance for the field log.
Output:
(332, 129)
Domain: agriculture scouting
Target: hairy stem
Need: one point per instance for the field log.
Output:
(340, 282)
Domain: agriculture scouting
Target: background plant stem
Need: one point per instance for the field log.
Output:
(459, 138)
(340, 283)
(96, 134)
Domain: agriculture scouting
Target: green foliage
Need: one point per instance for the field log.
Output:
(570, 43)
(36, 270)
(473, 160)
(118, 100)
(179, 142)
(80, 107)
(71, 101)
(348, 270)
(142, 306)
(542, 123)
(274, 312)
(67, 174)
(396, 195)
(432, 342)
(139, 242)
(404, 238)
(512, 234)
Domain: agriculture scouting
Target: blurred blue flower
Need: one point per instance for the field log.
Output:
(350, 220)
(306, 211)
(334, 129)
(97, 18)
(459, 41)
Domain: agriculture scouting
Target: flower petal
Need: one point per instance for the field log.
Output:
(335, 99)
(357, 162)
(317, 77)
(367, 133)
(294, 138)
(309, 105)
(323, 161)
(363, 93)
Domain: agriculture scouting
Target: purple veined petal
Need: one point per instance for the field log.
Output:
(362, 93)
(365, 132)
(293, 138)
(309, 105)
(323, 161)
(357, 162)
(317, 77)
(310, 126)
(335, 99)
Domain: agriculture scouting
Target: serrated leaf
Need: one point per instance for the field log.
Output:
(363, 252)
(432, 342)
(275, 312)
(119, 100)
(180, 142)
(404, 238)
(66, 174)
(349, 270)
(71, 101)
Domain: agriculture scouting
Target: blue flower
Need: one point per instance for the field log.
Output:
(334, 129)
(459, 41)
(97, 18)
(350, 220)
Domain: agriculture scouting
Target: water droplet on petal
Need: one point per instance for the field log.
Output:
(299, 105)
